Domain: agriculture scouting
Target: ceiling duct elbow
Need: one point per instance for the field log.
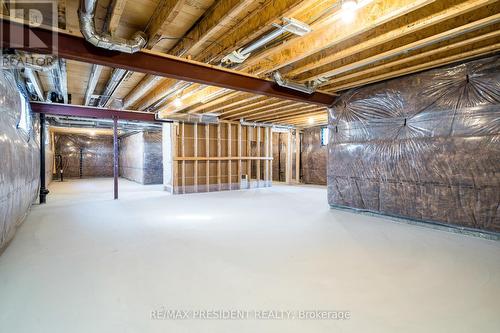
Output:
(86, 14)
(305, 88)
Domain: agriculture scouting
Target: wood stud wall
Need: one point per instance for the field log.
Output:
(215, 157)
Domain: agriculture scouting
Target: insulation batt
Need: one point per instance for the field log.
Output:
(423, 147)
(19, 160)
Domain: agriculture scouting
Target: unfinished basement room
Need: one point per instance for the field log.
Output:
(250, 166)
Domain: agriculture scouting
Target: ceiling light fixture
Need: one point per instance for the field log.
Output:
(310, 120)
(349, 10)
(178, 102)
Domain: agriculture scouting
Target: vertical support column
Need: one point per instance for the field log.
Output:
(115, 156)
(229, 154)
(258, 155)
(288, 166)
(168, 156)
(195, 180)
(43, 189)
(207, 153)
(297, 156)
(238, 148)
(249, 154)
(219, 185)
(183, 163)
(270, 155)
(266, 154)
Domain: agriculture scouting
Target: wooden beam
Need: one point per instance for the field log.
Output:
(425, 66)
(434, 18)
(264, 106)
(76, 48)
(372, 15)
(163, 16)
(260, 102)
(423, 55)
(200, 106)
(253, 25)
(232, 103)
(279, 111)
(219, 15)
(290, 114)
(114, 14)
(411, 46)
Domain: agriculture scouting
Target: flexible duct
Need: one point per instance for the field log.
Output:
(86, 14)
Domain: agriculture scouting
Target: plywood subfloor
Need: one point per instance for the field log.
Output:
(86, 263)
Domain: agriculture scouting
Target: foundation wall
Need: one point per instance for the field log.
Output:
(20, 159)
(424, 147)
(85, 156)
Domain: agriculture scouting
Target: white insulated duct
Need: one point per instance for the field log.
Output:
(86, 14)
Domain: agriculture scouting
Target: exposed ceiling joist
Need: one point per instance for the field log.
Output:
(114, 15)
(447, 13)
(418, 56)
(164, 15)
(417, 68)
(411, 46)
(373, 14)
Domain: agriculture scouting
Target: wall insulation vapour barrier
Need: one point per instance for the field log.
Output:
(314, 157)
(424, 147)
(88, 156)
(20, 158)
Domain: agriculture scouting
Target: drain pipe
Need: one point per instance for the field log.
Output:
(86, 14)
(43, 190)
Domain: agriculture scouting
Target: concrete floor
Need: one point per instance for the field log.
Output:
(86, 263)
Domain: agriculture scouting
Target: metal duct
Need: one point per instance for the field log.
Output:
(59, 80)
(289, 25)
(95, 72)
(305, 88)
(34, 81)
(192, 118)
(257, 124)
(114, 81)
(86, 14)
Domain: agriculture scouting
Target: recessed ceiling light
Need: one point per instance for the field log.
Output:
(178, 102)
(349, 10)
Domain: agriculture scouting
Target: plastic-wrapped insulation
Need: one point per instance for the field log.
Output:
(424, 147)
(19, 155)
